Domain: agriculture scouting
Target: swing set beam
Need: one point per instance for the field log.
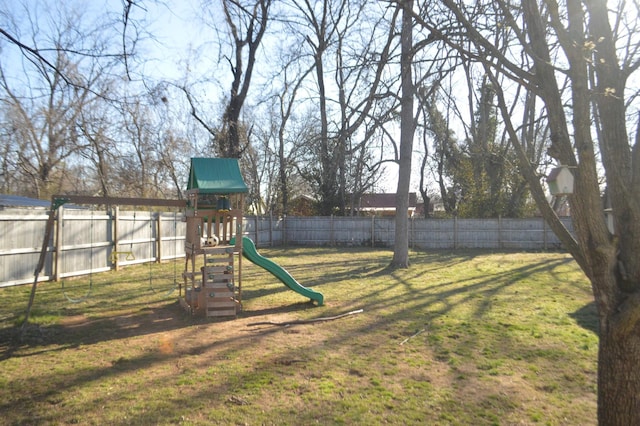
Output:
(60, 200)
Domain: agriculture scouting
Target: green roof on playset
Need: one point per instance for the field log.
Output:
(216, 176)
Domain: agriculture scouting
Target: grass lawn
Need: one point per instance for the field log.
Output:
(464, 337)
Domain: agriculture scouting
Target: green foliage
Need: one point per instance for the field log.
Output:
(481, 172)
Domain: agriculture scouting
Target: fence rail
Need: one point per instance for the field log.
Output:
(88, 241)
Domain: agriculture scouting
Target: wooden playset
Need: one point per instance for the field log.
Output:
(213, 264)
(214, 245)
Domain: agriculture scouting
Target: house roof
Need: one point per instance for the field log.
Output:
(216, 176)
(384, 201)
(18, 201)
(305, 197)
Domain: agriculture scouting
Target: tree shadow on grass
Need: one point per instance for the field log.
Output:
(76, 330)
(587, 317)
(397, 307)
(283, 309)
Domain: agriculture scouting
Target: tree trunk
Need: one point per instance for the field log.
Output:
(257, 17)
(407, 127)
(618, 376)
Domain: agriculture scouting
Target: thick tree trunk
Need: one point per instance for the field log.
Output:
(618, 377)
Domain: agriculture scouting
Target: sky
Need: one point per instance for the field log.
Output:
(178, 29)
(172, 46)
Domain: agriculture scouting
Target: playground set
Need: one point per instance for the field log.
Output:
(214, 244)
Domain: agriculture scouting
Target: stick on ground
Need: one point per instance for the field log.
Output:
(307, 321)
(412, 336)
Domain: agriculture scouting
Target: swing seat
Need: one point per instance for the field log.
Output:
(115, 254)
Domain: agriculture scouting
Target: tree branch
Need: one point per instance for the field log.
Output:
(308, 321)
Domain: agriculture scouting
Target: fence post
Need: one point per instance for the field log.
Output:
(257, 228)
(284, 230)
(373, 231)
(116, 237)
(57, 246)
(455, 231)
(332, 241)
(158, 227)
(544, 234)
(270, 229)
(411, 234)
(500, 242)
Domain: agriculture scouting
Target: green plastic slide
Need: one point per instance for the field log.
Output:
(249, 251)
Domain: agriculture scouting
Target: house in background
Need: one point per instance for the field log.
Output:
(302, 205)
(16, 201)
(384, 204)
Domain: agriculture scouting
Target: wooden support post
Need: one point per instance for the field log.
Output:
(43, 255)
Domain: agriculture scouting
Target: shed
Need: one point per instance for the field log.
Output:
(560, 181)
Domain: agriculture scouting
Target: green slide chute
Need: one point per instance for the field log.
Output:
(249, 251)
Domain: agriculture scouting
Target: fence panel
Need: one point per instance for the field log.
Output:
(523, 233)
(433, 234)
(313, 230)
(472, 233)
(383, 231)
(86, 239)
(83, 242)
(136, 237)
(172, 235)
(21, 234)
(265, 231)
(351, 231)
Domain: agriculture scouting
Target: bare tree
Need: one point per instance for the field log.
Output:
(592, 50)
(8, 153)
(45, 114)
(246, 23)
(260, 169)
(436, 136)
(361, 88)
(59, 69)
(407, 130)
(350, 45)
(286, 103)
(102, 151)
(323, 20)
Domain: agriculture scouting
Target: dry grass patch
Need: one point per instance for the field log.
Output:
(458, 338)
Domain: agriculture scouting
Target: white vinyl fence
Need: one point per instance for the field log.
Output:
(437, 234)
(86, 241)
